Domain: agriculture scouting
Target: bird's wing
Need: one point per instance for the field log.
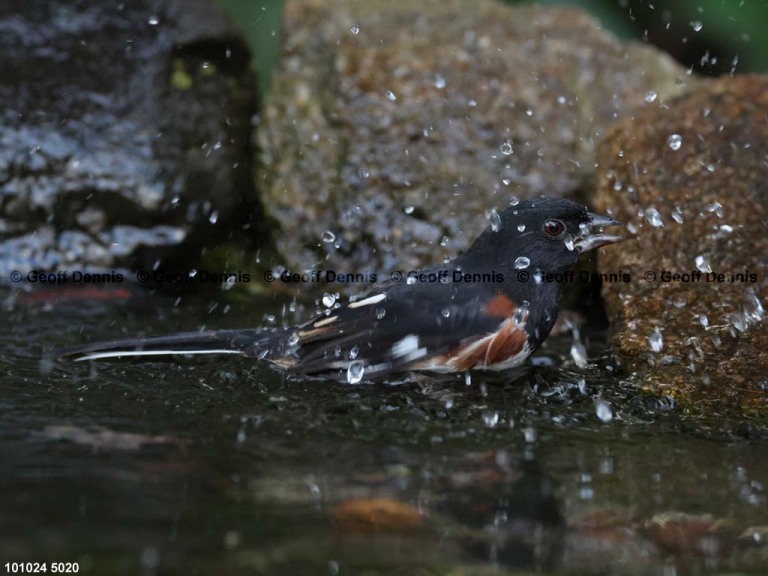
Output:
(411, 327)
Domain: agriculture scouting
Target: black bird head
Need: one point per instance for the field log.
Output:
(542, 234)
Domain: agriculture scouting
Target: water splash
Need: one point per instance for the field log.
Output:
(675, 141)
(578, 350)
(491, 418)
(656, 340)
(653, 218)
(603, 410)
(702, 264)
(495, 219)
(355, 372)
(329, 299)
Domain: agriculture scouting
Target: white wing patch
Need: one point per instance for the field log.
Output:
(375, 299)
(407, 349)
(325, 322)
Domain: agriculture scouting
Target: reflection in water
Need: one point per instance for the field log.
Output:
(224, 466)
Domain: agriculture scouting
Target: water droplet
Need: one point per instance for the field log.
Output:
(529, 434)
(697, 26)
(538, 277)
(656, 340)
(380, 313)
(495, 219)
(675, 141)
(702, 264)
(355, 372)
(391, 95)
(582, 386)
(521, 227)
(514, 201)
(561, 100)
(355, 29)
(467, 378)
(328, 237)
(439, 82)
(522, 262)
(410, 279)
(603, 411)
(717, 208)
(677, 216)
(569, 242)
(579, 352)
(520, 316)
(754, 308)
(650, 96)
(353, 352)
(408, 209)
(153, 20)
(653, 218)
(506, 148)
(328, 300)
(293, 339)
(703, 320)
(739, 321)
(491, 418)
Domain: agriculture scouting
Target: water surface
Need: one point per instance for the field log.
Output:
(222, 465)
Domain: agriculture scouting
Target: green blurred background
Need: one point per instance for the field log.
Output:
(713, 37)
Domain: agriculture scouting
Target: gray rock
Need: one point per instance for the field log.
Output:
(125, 133)
(398, 126)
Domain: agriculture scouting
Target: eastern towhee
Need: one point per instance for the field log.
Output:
(490, 308)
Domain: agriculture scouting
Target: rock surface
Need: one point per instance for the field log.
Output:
(691, 178)
(125, 127)
(393, 128)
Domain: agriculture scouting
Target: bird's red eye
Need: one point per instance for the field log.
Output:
(554, 228)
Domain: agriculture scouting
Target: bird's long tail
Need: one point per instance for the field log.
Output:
(265, 343)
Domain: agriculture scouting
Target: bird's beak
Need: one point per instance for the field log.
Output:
(592, 235)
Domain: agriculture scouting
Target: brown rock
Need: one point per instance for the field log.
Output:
(398, 126)
(713, 358)
(379, 514)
